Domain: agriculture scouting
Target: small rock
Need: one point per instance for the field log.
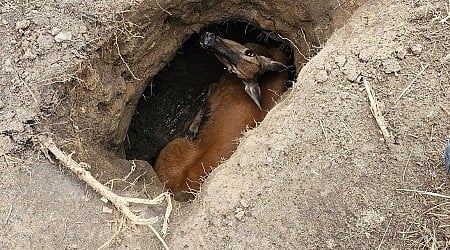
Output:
(321, 76)
(26, 44)
(104, 200)
(391, 66)
(63, 36)
(83, 29)
(244, 203)
(16, 126)
(328, 67)
(420, 12)
(239, 213)
(416, 49)
(8, 115)
(45, 41)
(6, 142)
(365, 55)
(352, 74)
(55, 31)
(3, 20)
(340, 61)
(29, 54)
(400, 53)
(107, 210)
(24, 24)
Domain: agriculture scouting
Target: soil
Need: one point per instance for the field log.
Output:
(315, 174)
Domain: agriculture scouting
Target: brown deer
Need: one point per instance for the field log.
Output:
(183, 163)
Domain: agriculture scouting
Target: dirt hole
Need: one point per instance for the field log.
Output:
(143, 87)
(174, 96)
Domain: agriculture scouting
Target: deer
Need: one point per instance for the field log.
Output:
(253, 84)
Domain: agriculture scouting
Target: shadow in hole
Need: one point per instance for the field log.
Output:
(175, 95)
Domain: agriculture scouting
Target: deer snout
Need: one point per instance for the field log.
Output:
(207, 40)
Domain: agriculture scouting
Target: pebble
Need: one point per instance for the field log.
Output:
(340, 61)
(365, 55)
(24, 24)
(29, 54)
(321, 76)
(416, 49)
(391, 66)
(107, 210)
(239, 213)
(244, 203)
(83, 29)
(400, 53)
(63, 36)
(55, 31)
(45, 41)
(352, 74)
(8, 115)
(3, 21)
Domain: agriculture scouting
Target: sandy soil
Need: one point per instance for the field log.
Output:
(316, 174)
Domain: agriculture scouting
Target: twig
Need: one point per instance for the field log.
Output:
(384, 234)
(412, 82)
(163, 242)
(376, 112)
(116, 233)
(162, 8)
(323, 130)
(340, 6)
(424, 193)
(445, 58)
(445, 110)
(406, 165)
(6, 159)
(28, 89)
(293, 44)
(347, 128)
(8, 215)
(123, 60)
(120, 202)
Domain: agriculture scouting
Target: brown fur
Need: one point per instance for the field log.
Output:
(182, 164)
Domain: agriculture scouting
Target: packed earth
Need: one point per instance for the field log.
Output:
(352, 157)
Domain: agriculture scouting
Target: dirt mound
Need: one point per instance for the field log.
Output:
(315, 174)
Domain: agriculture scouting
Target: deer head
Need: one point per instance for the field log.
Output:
(242, 61)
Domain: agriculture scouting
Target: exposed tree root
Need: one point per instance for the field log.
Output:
(120, 202)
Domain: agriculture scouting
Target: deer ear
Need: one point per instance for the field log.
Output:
(274, 65)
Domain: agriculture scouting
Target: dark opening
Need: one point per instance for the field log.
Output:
(175, 95)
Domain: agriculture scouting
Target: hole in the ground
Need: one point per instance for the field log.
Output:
(173, 97)
(94, 110)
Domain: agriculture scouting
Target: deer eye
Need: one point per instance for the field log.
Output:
(249, 52)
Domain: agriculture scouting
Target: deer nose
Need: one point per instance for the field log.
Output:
(207, 40)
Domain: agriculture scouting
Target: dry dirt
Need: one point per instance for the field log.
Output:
(316, 174)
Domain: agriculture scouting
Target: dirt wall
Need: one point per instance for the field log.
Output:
(101, 104)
